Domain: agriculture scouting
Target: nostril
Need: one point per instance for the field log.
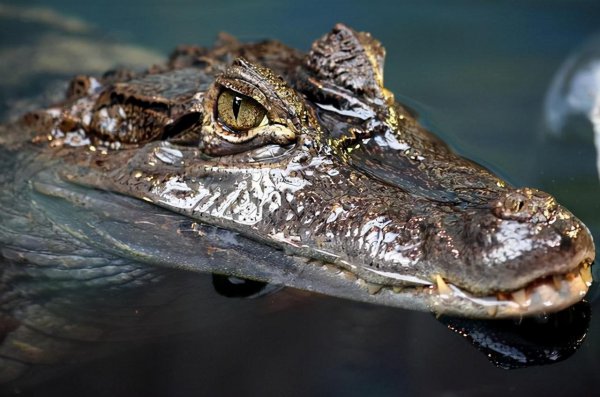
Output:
(514, 203)
(566, 243)
(524, 204)
(511, 206)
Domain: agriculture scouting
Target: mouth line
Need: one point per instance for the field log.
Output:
(546, 294)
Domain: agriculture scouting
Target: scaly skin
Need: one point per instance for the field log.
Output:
(341, 191)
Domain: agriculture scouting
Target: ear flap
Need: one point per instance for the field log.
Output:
(348, 59)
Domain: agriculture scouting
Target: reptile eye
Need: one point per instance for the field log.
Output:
(239, 112)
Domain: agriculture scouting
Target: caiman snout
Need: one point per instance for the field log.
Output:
(525, 205)
(532, 238)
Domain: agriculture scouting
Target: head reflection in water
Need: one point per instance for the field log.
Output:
(508, 344)
(531, 341)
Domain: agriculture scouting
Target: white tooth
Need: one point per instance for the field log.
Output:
(557, 280)
(397, 289)
(586, 275)
(546, 295)
(492, 310)
(443, 288)
(374, 288)
(586, 263)
(520, 297)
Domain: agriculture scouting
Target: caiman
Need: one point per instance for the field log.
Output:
(261, 162)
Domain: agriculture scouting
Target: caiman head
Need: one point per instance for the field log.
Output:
(309, 159)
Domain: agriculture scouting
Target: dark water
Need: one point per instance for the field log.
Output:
(478, 72)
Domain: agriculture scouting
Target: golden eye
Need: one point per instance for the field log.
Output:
(239, 112)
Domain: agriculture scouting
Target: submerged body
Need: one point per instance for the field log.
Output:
(258, 161)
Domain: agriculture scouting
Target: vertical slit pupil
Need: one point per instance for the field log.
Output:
(237, 103)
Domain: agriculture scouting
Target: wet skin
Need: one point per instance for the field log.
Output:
(289, 168)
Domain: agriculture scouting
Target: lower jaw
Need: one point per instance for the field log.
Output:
(545, 295)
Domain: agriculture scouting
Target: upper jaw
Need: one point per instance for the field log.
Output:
(485, 265)
(543, 275)
(546, 295)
